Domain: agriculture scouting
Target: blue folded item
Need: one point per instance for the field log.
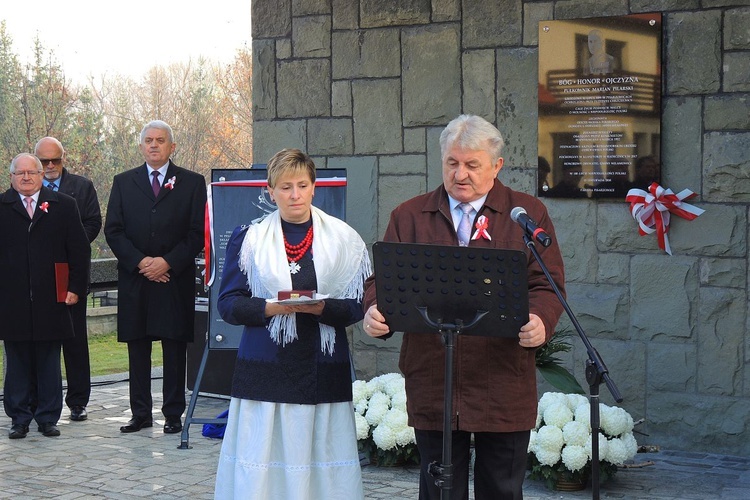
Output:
(216, 431)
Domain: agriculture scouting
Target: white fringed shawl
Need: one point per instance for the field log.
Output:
(341, 265)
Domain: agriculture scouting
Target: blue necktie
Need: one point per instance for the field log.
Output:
(52, 186)
(464, 227)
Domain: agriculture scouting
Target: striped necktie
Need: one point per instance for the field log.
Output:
(464, 227)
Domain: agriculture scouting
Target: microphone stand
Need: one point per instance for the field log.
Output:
(596, 372)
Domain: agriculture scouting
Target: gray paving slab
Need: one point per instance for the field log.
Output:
(93, 460)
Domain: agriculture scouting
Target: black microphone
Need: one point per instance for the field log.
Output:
(520, 216)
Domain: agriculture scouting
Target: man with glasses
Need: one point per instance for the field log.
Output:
(51, 154)
(44, 245)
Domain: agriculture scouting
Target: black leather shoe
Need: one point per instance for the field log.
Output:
(137, 423)
(78, 413)
(18, 431)
(49, 430)
(173, 425)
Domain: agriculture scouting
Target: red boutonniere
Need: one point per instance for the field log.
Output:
(482, 224)
(44, 206)
(171, 182)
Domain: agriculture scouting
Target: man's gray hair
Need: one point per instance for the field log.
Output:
(472, 133)
(158, 124)
(21, 155)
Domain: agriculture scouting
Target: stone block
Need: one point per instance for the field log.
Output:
(446, 10)
(414, 140)
(533, 13)
(718, 232)
(672, 366)
(310, 7)
(264, 80)
(697, 34)
(663, 294)
(403, 164)
(345, 14)
(603, 308)
(377, 13)
(271, 19)
(101, 320)
(681, 142)
(736, 71)
(434, 158)
(721, 334)
(478, 69)
(710, 4)
(271, 137)
(663, 5)
(365, 54)
(491, 24)
(736, 33)
(517, 107)
(394, 190)
(283, 48)
(576, 236)
(590, 8)
(519, 179)
(726, 167)
(617, 231)
(361, 193)
(727, 112)
(377, 132)
(329, 136)
(728, 273)
(613, 268)
(304, 88)
(431, 75)
(311, 36)
(341, 98)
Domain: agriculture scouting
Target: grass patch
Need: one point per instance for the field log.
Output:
(107, 356)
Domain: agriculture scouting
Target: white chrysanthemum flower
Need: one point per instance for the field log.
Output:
(406, 436)
(532, 441)
(616, 421)
(576, 400)
(538, 419)
(361, 406)
(363, 428)
(603, 446)
(377, 408)
(574, 457)
(550, 438)
(359, 390)
(557, 414)
(394, 386)
(630, 444)
(583, 415)
(395, 419)
(547, 457)
(384, 437)
(617, 452)
(549, 398)
(576, 433)
(398, 400)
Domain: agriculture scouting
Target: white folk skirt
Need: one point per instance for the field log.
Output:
(277, 451)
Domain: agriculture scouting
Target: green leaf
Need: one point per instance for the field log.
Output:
(560, 379)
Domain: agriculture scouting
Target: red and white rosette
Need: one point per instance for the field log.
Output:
(652, 210)
(481, 229)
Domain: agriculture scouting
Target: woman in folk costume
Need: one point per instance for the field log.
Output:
(290, 430)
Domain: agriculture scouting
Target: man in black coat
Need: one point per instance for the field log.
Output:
(76, 350)
(154, 225)
(38, 229)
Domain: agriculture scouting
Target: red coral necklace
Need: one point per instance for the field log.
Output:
(295, 252)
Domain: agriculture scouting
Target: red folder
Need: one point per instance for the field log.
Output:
(61, 280)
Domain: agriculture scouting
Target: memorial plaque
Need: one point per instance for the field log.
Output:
(599, 106)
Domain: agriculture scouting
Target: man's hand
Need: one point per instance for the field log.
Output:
(374, 322)
(154, 269)
(533, 333)
(71, 299)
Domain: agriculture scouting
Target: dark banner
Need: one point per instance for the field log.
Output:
(599, 106)
(240, 197)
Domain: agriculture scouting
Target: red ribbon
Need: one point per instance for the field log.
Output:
(652, 210)
(482, 225)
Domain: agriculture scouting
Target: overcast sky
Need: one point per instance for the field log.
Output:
(92, 37)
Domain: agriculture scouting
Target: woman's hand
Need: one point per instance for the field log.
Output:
(374, 322)
(274, 308)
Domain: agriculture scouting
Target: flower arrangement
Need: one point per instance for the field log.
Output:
(560, 444)
(170, 183)
(44, 207)
(383, 432)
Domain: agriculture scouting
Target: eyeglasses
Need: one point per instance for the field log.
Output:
(24, 173)
(54, 161)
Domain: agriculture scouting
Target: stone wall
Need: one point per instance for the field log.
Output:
(368, 86)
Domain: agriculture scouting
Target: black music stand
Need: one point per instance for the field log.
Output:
(451, 290)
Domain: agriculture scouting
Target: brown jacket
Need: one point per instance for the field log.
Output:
(494, 386)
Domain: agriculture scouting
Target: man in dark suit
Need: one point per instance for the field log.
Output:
(76, 350)
(38, 229)
(154, 225)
